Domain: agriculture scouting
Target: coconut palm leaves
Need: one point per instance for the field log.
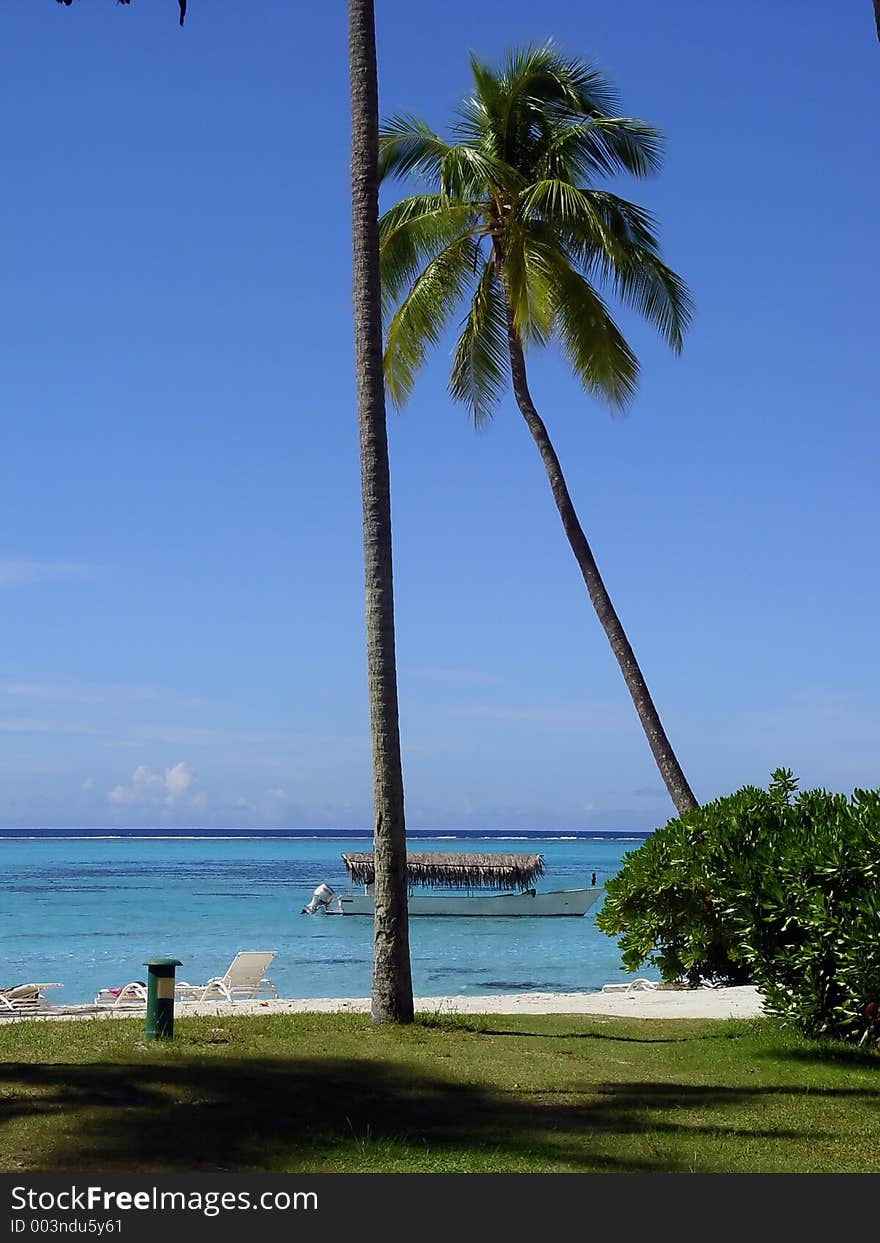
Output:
(512, 226)
(514, 216)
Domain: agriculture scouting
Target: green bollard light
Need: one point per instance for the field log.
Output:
(160, 997)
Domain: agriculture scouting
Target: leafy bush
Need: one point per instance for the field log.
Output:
(763, 887)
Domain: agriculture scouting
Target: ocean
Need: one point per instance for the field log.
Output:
(86, 907)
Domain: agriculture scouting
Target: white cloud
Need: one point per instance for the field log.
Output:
(18, 573)
(177, 780)
(88, 784)
(173, 788)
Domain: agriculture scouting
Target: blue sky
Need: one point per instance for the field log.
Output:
(180, 557)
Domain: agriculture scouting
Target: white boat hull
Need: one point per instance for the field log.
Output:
(556, 902)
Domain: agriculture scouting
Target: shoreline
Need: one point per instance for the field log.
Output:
(742, 1001)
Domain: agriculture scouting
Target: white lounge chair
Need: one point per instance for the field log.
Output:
(245, 978)
(25, 998)
(130, 997)
(634, 986)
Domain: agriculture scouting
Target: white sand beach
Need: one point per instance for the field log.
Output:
(696, 1003)
(645, 1003)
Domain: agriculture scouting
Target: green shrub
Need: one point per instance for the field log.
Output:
(763, 887)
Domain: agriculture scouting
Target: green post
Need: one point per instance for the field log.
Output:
(160, 997)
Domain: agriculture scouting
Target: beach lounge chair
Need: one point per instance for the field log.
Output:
(25, 998)
(245, 979)
(634, 986)
(129, 997)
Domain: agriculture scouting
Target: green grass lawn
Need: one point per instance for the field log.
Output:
(331, 1093)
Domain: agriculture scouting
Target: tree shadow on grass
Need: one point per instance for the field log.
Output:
(832, 1053)
(364, 1114)
(592, 1035)
(617, 1031)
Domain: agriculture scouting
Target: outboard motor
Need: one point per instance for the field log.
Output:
(320, 900)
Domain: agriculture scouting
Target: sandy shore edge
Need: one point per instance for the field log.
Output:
(657, 1003)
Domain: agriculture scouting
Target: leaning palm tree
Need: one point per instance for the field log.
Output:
(513, 222)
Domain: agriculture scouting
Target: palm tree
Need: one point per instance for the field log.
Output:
(392, 999)
(513, 222)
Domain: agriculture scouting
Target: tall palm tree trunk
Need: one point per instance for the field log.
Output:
(670, 769)
(392, 1000)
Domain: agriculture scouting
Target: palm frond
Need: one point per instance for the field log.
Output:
(516, 279)
(542, 92)
(595, 348)
(546, 75)
(542, 291)
(626, 220)
(564, 206)
(472, 125)
(468, 173)
(413, 232)
(603, 146)
(480, 364)
(528, 283)
(407, 144)
(599, 233)
(488, 88)
(585, 83)
(424, 312)
(642, 281)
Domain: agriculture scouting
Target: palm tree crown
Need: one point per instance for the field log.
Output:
(515, 223)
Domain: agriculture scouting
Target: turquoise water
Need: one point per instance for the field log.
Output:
(87, 911)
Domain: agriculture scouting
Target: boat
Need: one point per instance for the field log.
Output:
(462, 884)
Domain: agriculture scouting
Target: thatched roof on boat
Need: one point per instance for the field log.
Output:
(455, 871)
